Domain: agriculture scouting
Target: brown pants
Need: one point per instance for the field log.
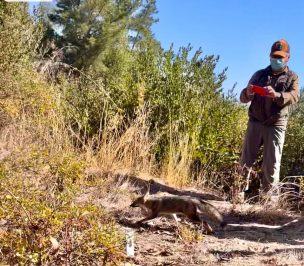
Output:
(272, 139)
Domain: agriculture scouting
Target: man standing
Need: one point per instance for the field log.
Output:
(268, 114)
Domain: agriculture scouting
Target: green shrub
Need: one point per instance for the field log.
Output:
(293, 152)
(43, 225)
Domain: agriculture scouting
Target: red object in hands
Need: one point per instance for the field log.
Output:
(259, 90)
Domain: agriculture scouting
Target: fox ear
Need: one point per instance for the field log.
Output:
(147, 194)
(148, 189)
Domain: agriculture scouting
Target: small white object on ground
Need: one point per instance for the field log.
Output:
(130, 243)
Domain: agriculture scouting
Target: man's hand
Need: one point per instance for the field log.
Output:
(272, 93)
(249, 90)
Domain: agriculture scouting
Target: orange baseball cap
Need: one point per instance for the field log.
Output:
(280, 47)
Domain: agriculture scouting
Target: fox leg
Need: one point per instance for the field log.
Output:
(194, 218)
(150, 217)
(207, 227)
(203, 224)
(176, 218)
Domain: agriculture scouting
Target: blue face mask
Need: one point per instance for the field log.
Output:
(277, 64)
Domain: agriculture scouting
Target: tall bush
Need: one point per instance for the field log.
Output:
(293, 151)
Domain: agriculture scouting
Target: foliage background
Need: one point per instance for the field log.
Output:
(87, 85)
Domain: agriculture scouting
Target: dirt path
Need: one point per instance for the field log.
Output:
(240, 244)
(160, 249)
(255, 235)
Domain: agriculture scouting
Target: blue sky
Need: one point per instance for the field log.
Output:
(241, 32)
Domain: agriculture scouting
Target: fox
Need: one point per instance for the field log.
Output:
(191, 207)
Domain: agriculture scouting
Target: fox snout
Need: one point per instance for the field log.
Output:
(137, 202)
(133, 204)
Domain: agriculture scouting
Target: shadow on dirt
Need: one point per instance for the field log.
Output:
(291, 233)
(227, 256)
(265, 226)
(223, 256)
(146, 227)
(143, 186)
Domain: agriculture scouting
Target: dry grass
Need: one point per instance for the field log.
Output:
(46, 178)
(176, 171)
(131, 149)
(188, 234)
(53, 211)
(41, 177)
